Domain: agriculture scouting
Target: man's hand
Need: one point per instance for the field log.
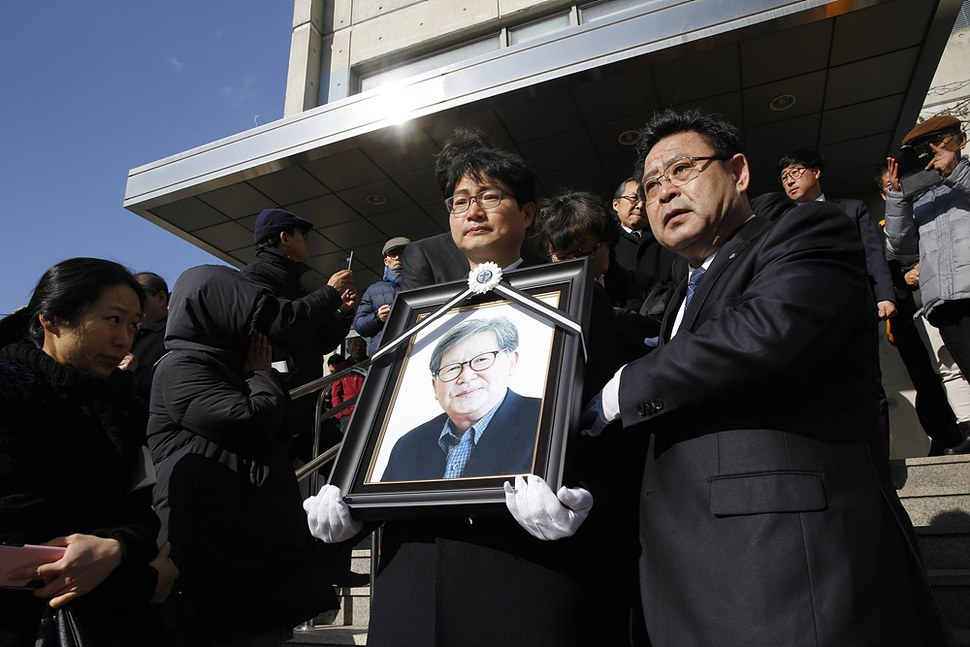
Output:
(328, 516)
(129, 363)
(912, 277)
(348, 300)
(383, 311)
(603, 409)
(167, 572)
(87, 562)
(546, 515)
(260, 355)
(887, 310)
(893, 167)
(342, 281)
(944, 161)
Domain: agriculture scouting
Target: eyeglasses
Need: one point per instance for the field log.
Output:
(632, 198)
(678, 173)
(887, 187)
(793, 173)
(574, 253)
(488, 199)
(478, 364)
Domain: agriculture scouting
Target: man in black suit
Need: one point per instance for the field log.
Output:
(486, 429)
(767, 514)
(801, 175)
(654, 271)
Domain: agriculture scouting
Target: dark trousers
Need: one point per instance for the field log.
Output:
(932, 407)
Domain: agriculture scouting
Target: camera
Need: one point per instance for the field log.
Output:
(913, 176)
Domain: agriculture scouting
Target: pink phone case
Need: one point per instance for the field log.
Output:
(15, 558)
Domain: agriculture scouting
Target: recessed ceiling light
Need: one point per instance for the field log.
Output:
(782, 102)
(629, 137)
(376, 199)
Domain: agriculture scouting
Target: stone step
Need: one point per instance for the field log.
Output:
(944, 548)
(952, 590)
(920, 474)
(330, 636)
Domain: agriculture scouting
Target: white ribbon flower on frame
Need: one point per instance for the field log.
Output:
(484, 278)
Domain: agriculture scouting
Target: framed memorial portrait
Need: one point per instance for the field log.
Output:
(488, 389)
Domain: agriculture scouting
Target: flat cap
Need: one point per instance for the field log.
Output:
(272, 221)
(394, 243)
(931, 125)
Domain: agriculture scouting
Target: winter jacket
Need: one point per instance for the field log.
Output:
(226, 494)
(937, 225)
(382, 293)
(309, 324)
(69, 446)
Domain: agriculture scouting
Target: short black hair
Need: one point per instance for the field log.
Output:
(335, 359)
(152, 283)
(568, 216)
(274, 240)
(881, 170)
(472, 152)
(808, 159)
(619, 190)
(719, 133)
(65, 292)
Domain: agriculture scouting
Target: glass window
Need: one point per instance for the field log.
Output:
(538, 29)
(603, 10)
(432, 62)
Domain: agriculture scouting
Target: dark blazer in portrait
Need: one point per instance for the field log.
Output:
(880, 278)
(767, 513)
(506, 447)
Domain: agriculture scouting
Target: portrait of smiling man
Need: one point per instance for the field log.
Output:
(486, 428)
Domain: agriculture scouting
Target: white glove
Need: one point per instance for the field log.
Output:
(544, 514)
(328, 516)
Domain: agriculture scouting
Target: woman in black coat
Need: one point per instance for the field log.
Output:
(226, 494)
(73, 472)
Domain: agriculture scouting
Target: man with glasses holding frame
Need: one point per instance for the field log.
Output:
(767, 516)
(491, 201)
(486, 428)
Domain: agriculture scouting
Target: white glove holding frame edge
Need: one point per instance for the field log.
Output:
(544, 514)
(328, 516)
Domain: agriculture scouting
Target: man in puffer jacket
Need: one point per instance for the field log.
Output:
(936, 223)
(226, 494)
(375, 305)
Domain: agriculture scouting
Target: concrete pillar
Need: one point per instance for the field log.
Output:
(303, 75)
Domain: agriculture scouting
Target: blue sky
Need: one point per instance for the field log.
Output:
(91, 89)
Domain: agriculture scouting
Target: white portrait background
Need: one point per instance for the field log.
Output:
(414, 403)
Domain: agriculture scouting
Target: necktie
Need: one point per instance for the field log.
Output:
(695, 278)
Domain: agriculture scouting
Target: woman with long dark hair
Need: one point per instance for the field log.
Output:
(73, 472)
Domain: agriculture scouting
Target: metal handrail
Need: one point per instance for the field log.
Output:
(311, 468)
(318, 385)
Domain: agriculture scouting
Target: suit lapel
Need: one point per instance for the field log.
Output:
(725, 257)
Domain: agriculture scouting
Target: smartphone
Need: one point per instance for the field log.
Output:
(346, 263)
(14, 557)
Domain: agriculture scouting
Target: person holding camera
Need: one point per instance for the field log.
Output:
(935, 222)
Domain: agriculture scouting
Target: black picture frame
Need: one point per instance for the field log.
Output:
(383, 401)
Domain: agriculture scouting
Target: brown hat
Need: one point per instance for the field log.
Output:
(932, 125)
